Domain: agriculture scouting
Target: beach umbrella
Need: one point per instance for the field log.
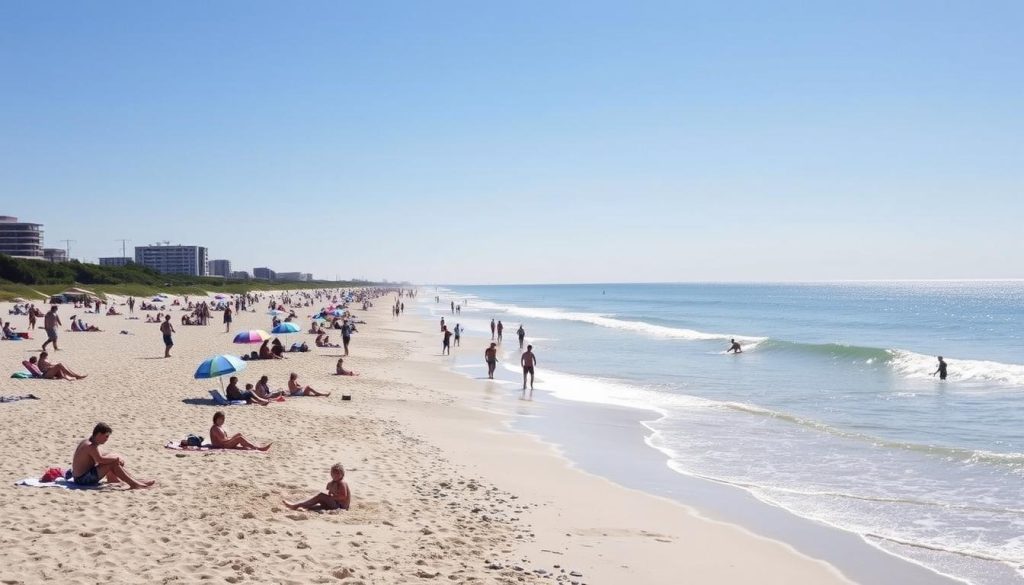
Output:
(217, 366)
(285, 328)
(252, 336)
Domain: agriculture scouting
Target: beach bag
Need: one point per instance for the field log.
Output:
(52, 474)
(194, 440)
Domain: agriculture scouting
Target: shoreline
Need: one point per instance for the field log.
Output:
(561, 426)
(441, 486)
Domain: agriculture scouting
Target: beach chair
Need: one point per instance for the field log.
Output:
(219, 399)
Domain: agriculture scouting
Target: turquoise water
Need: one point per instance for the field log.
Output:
(830, 412)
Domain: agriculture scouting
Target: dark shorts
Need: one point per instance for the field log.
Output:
(91, 477)
(528, 370)
(345, 340)
(492, 361)
(168, 341)
(51, 333)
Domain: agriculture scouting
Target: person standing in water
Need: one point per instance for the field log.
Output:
(528, 361)
(941, 370)
(522, 336)
(491, 357)
(735, 347)
(492, 329)
(500, 329)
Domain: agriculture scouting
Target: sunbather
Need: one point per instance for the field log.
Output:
(266, 354)
(234, 393)
(296, 389)
(220, 439)
(89, 466)
(41, 368)
(263, 389)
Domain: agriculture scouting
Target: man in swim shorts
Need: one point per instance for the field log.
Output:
(528, 362)
(50, 323)
(735, 347)
(89, 466)
(167, 329)
(491, 357)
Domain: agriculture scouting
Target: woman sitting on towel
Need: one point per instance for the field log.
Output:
(277, 348)
(296, 389)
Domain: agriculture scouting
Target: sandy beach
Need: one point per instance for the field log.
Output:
(442, 490)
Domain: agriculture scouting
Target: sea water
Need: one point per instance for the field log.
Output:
(830, 412)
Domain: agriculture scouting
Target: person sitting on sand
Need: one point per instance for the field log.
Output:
(82, 326)
(337, 496)
(220, 439)
(296, 389)
(340, 371)
(233, 393)
(89, 466)
(40, 368)
(263, 389)
(111, 312)
(265, 353)
(277, 348)
(8, 332)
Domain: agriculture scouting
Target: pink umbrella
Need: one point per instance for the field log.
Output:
(252, 336)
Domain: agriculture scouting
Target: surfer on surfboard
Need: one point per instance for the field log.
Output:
(735, 347)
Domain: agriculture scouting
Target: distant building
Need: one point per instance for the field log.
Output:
(24, 240)
(240, 275)
(115, 261)
(220, 268)
(168, 259)
(294, 276)
(264, 274)
(55, 254)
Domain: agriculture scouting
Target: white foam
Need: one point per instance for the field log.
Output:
(915, 365)
(611, 322)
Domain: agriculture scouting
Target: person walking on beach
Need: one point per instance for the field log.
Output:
(522, 336)
(453, 307)
(735, 347)
(131, 305)
(442, 323)
(445, 343)
(528, 362)
(492, 329)
(458, 333)
(500, 329)
(89, 466)
(50, 322)
(167, 329)
(941, 370)
(32, 314)
(491, 357)
(227, 318)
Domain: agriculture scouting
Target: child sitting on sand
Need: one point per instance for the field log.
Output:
(337, 497)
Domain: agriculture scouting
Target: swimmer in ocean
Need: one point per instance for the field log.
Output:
(941, 370)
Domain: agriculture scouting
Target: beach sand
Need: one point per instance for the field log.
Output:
(442, 490)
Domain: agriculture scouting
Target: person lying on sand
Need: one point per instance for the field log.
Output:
(41, 368)
(296, 389)
(233, 393)
(89, 466)
(111, 311)
(220, 439)
(337, 496)
(340, 371)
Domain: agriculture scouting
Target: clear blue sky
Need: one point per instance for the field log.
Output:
(480, 142)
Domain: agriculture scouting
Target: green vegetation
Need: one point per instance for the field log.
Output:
(34, 279)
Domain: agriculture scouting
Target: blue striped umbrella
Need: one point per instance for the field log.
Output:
(284, 328)
(217, 366)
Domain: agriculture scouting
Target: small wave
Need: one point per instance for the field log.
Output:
(612, 322)
(915, 365)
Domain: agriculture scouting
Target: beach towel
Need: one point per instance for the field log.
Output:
(22, 375)
(17, 398)
(60, 483)
(219, 399)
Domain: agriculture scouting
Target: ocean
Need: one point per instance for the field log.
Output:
(830, 412)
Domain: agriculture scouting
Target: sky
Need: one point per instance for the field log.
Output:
(524, 142)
